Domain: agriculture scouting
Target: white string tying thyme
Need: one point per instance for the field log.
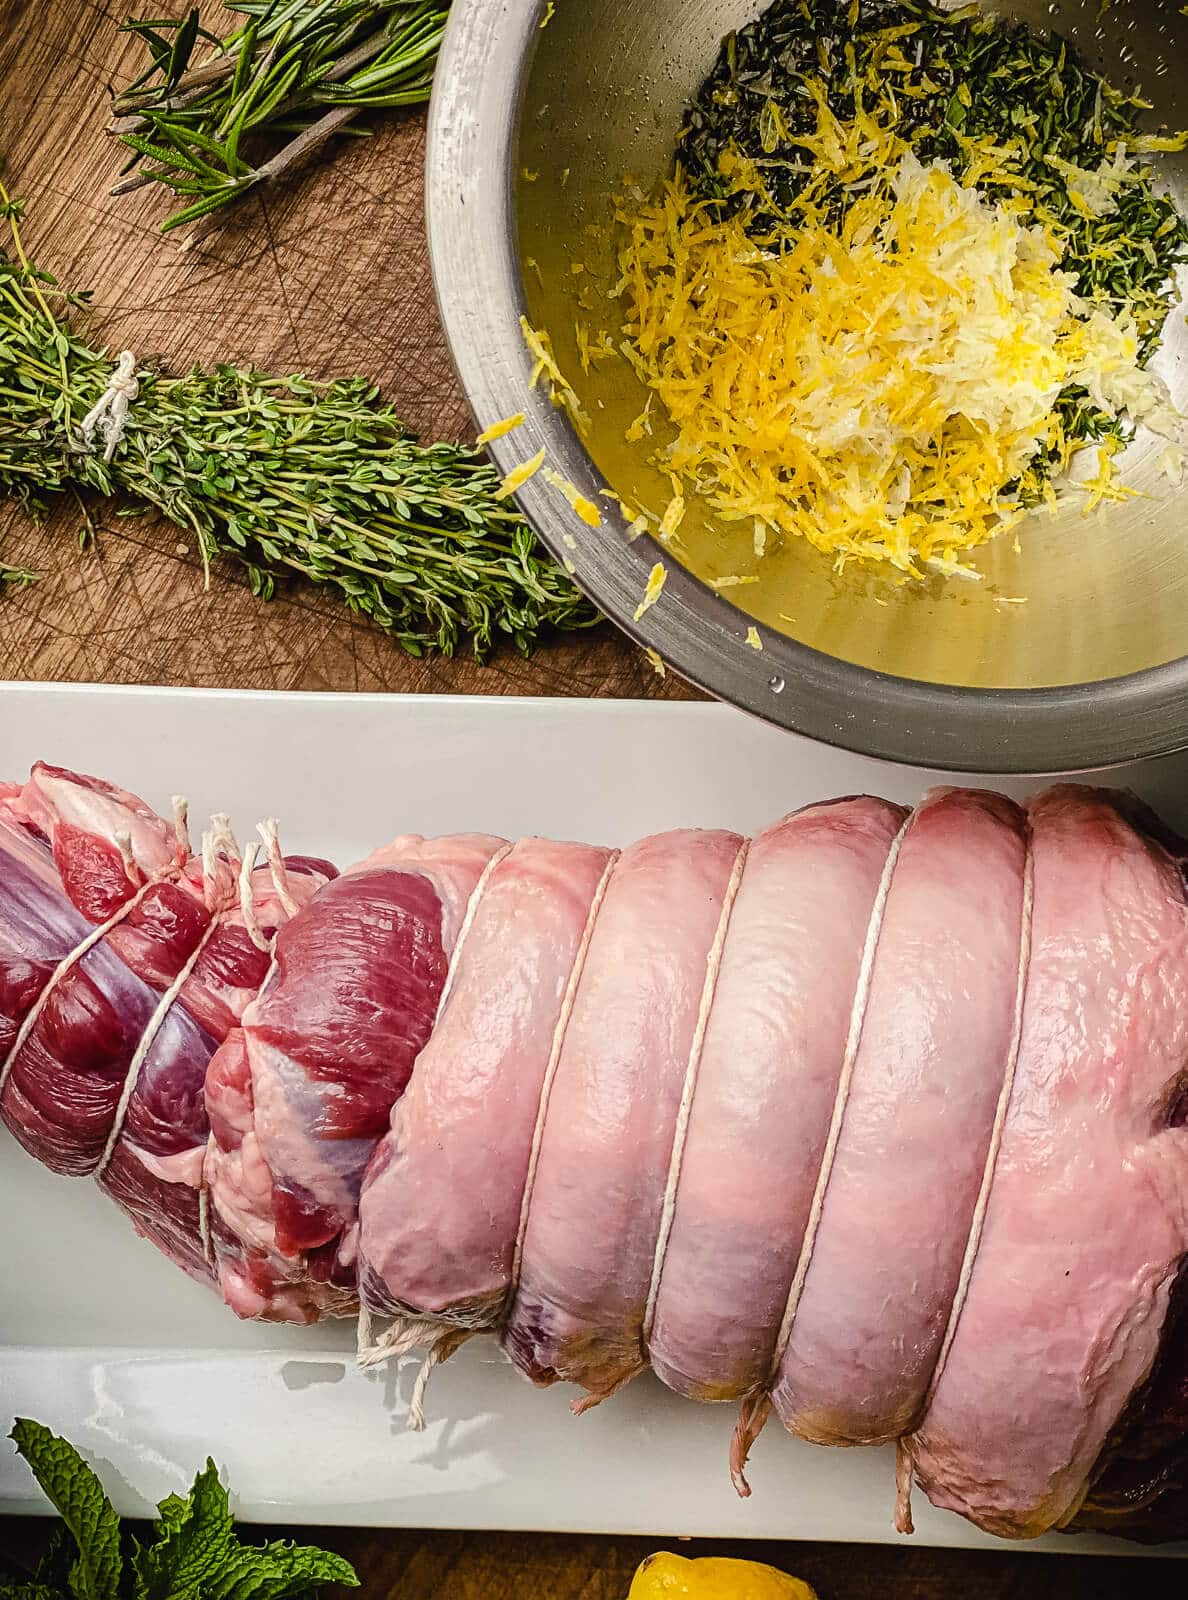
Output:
(109, 415)
(904, 1452)
(756, 1408)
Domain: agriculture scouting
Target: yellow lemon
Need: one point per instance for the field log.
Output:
(668, 1577)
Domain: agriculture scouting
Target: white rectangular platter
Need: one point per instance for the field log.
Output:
(101, 1338)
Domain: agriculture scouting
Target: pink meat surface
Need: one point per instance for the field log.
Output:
(107, 1018)
(937, 1037)
(64, 1078)
(1087, 1220)
(452, 865)
(255, 1278)
(348, 1007)
(83, 818)
(154, 1170)
(465, 1127)
(65, 1086)
(595, 1211)
(1008, 1300)
(231, 968)
(765, 1094)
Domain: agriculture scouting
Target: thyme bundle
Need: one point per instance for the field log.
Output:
(283, 475)
(266, 96)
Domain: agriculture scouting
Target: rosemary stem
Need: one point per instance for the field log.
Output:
(272, 93)
(305, 142)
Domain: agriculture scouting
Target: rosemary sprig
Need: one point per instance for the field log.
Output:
(265, 97)
(284, 475)
(15, 577)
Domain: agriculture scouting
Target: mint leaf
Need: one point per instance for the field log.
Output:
(197, 1555)
(77, 1495)
(53, 1570)
(194, 1540)
(279, 1571)
(31, 1590)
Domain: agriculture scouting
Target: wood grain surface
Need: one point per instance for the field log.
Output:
(406, 1565)
(326, 274)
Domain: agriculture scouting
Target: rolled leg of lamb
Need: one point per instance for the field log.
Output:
(124, 959)
(876, 1121)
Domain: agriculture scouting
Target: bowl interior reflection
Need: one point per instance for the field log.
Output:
(1101, 595)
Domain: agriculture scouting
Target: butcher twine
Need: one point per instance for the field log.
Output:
(247, 901)
(409, 1333)
(546, 1088)
(904, 1458)
(109, 415)
(692, 1073)
(69, 962)
(404, 1333)
(756, 1408)
(472, 906)
(219, 840)
(269, 831)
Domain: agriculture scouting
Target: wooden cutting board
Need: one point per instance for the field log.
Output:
(327, 274)
(406, 1565)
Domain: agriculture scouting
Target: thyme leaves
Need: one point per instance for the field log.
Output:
(285, 476)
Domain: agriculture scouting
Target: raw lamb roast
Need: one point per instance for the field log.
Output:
(875, 1120)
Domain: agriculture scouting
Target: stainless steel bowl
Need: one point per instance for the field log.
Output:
(533, 127)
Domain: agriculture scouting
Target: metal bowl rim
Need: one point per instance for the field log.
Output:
(483, 68)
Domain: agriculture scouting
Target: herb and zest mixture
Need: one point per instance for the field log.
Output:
(911, 266)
